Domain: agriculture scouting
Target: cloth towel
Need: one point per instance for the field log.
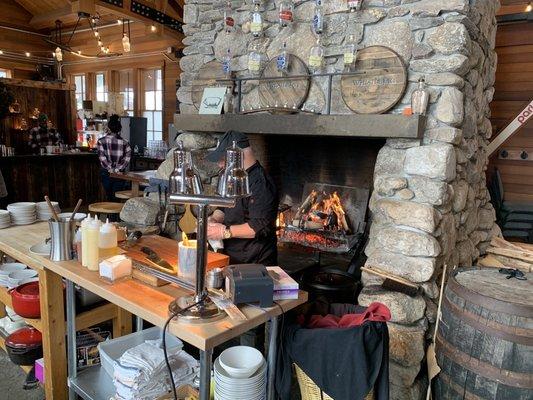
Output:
(141, 372)
(377, 312)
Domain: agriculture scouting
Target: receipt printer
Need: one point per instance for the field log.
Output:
(249, 283)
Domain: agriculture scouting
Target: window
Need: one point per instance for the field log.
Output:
(101, 88)
(153, 103)
(5, 73)
(126, 89)
(79, 81)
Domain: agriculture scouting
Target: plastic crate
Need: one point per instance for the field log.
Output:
(112, 350)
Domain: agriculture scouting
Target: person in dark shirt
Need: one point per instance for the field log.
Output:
(43, 135)
(248, 229)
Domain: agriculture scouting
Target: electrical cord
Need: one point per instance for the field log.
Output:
(169, 369)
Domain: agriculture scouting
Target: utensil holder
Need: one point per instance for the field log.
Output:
(62, 238)
(187, 261)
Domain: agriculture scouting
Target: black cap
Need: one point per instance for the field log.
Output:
(225, 142)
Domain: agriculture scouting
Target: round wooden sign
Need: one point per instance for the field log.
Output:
(207, 77)
(379, 81)
(284, 94)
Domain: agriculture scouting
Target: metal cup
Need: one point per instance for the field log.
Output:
(62, 235)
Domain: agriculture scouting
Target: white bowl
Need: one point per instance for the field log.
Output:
(23, 274)
(7, 268)
(241, 361)
(22, 204)
(77, 217)
(41, 249)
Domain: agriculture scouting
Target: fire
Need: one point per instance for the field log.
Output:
(185, 239)
(321, 211)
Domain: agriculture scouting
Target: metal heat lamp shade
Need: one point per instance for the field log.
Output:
(233, 182)
(183, 179)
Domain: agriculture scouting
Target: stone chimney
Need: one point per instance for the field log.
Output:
(430, 205)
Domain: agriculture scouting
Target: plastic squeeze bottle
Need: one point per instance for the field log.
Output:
(107, 241)
(93, 231)
(84, 251)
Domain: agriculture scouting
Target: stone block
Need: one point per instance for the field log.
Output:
(406, 241)
(400, 375)
(486, 219)
(444, 79)
(435, 161)
(406, 213)
(196, 141)
(456, 63)
(404, 309)
(450, 38)
(393, 34)
(415, 269)
(388, 185)
(444, 134)
(450, 107)
(460, 192)
(140, 211)
(417, 391)
(190, 13)
(417, 23)
(406, 344)
(389, 161)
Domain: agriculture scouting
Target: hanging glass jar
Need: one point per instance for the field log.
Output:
(256, 25)
(355, 5)
(282, 61)
(420, 98)
(316, 57)
(255, 60)
(229, 21)
(14, 108)
(226, 63)
(286, 13)
(318, 18)
(350, 53)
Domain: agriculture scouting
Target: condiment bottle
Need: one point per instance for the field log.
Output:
(78, 245)
(84, 251)
(107, 240)
(420, 98)
(93, 232)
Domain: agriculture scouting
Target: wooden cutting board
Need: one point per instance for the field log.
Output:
(167, 249)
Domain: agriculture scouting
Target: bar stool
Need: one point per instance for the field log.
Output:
(111, 210)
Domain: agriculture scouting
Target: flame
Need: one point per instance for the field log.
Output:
(185, 239)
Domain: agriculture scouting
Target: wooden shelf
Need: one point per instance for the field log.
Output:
(352, 125)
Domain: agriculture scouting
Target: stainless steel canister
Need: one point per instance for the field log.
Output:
(62, 235)
(215, 278)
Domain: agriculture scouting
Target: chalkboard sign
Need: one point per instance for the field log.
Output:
(379, 81)
(207, 77)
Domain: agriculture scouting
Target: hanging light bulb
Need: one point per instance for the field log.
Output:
(102, 48)
(28, 54)
(96, 34)
(100, 43)
(59, 54)
(119, 21)
(1, 52)
(153, 28)
(126, 43)
(529, 7)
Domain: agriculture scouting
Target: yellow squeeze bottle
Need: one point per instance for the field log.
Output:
(107, 241)
(93, 232)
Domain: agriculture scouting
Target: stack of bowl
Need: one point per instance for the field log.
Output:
(5, 219)
(43, 211)
(22, 213)
(240, 374)
(8, 268)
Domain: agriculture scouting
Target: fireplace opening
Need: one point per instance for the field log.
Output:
(339, 171)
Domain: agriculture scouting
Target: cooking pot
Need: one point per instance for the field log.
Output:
(25, 346)
(25, 300)
(335, 285)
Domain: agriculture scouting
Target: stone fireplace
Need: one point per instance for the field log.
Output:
(429, 205)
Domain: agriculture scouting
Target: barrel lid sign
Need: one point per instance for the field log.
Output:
(378, 82)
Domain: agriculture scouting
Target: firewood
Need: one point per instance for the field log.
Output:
(522, 255)
(508, 262)
(306, 205)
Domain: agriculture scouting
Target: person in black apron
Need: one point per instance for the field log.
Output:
(249, 229)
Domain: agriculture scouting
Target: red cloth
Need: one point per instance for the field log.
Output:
(374, 312)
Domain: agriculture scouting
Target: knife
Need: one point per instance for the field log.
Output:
(154, 257)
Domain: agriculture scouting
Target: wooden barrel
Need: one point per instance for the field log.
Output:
(485, 339)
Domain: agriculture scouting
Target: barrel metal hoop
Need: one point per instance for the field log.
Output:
(505, 332)
(488, 302)
(457, 388)
(509, 378)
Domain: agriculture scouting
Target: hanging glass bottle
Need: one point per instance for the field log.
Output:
(318, 18)
(350, 53)
(256, 25)
(229, 21)
(226, 63)
(316, 57)
(286, 13)
(255, 60)
(355, 5)
(283, 59)
(420, 98)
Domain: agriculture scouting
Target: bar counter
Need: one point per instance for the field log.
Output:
(147, 302)
(63, 177)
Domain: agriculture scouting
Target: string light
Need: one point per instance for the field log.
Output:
(529, 7)
(58, 54)
(96, 34)
(1, 52)
(153, 28)
(119, 22)
(28, 54)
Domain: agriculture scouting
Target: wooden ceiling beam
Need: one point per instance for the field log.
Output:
(65, 14)
(512, 9)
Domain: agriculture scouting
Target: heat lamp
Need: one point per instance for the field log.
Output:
(233, 184)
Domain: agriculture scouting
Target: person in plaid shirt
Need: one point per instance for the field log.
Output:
(114, 153)
(43, 135)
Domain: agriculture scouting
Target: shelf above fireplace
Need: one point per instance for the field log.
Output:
(370, 126)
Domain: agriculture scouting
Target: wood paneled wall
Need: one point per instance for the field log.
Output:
(514, 90)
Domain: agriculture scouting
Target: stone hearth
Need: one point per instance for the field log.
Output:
(430, 204)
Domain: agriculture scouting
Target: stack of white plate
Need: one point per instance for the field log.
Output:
(5, 219)
(232, 385)
(22, 213)
(8, 268)
(43, 211)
